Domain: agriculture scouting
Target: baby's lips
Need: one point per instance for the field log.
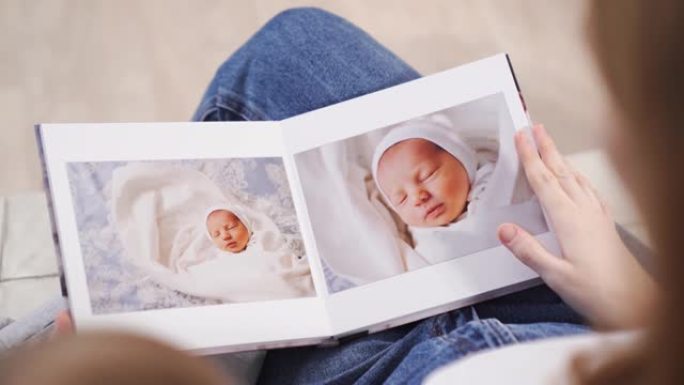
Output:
(432, 210)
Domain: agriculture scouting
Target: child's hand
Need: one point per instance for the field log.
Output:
(596, 274)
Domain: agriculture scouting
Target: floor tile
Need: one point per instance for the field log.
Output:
(21, 296)
(27, 248)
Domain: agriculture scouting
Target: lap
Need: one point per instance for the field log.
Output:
(405, 354)
(304, 59)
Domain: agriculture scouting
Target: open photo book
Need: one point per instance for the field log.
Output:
(350, 219)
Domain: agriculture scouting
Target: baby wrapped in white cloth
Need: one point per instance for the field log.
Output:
(435, 182)
(186, 234)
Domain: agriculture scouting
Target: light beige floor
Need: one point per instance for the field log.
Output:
(130, 60)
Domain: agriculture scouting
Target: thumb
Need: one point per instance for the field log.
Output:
(529, 251)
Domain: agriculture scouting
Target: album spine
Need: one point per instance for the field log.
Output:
(48, 195)
(517, 87)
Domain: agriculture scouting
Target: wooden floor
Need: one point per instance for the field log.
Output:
(131, 60)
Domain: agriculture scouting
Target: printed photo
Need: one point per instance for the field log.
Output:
(414, 194)
(167, 234)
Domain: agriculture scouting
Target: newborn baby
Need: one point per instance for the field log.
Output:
(227, 231)
(183, 232)
(427, 174)
(434, 181)
(247, 258)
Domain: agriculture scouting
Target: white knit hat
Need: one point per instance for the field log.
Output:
(430, 130)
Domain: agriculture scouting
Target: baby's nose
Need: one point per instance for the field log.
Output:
(422, 196)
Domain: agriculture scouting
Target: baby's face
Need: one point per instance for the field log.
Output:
(426, 185)
(227, 231)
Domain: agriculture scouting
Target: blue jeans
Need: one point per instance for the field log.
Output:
(304, 59)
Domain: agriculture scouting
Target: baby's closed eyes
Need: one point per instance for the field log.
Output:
(226, 228)
(425, 175)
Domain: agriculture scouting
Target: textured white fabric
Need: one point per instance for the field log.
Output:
(160, 213)
(476, 232)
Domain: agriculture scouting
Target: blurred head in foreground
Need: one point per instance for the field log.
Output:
(105, 358)
(638, 46)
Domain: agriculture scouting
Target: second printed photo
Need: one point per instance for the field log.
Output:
(417, 193)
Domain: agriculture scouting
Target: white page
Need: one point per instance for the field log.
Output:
(202, 328)
(373, 285)
(371, 305)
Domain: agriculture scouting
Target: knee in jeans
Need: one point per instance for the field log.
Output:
(300, 15)
(303, 17)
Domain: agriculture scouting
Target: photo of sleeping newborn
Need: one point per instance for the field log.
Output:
(420, 192)
(427, 174)
(160, 234)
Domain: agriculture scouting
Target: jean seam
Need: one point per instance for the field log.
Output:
(445, 343)
(474, 314)
(235, 102)
(448, 342)
(499, 330)
(232, 102)
(205, 108)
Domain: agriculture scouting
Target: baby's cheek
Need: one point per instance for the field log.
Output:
(445, 189)
(455, 196)
(458, 194)
(245, 236)
(415, 217)
(405, 215)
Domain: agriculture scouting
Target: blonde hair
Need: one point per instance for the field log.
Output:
(639, 48)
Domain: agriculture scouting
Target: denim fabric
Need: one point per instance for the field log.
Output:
(304, 59)
(405, 354)
(301, 60)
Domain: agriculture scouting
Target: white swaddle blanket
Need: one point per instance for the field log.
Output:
(475, 232)
(160, 213)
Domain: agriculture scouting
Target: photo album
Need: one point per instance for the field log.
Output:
(350, 219)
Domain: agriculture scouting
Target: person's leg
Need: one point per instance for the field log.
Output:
(301, 60)
(364, 360)
(474, 336)
(307, 58)
(405, 354)
(538, 304)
